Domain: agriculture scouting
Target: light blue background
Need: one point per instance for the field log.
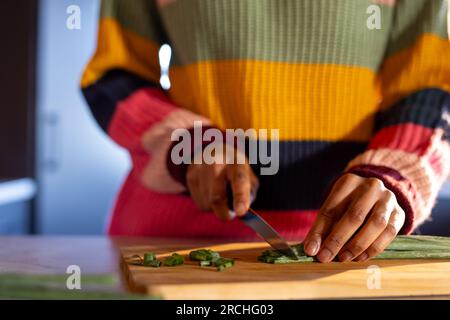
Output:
(79, 168)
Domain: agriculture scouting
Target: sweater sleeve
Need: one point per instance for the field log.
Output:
(121, 86)
(125, 66)
(410, 149)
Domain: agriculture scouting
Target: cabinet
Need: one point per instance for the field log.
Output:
(18, 23)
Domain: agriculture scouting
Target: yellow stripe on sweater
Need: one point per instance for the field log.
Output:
(121, 48)
(304, 101)
(424, 65)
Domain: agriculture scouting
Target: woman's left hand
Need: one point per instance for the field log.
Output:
(358, 220)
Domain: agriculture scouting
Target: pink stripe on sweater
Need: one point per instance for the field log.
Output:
(142, 212)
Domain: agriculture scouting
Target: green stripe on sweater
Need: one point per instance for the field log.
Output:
(292, 31)
(416, 17)
(319, 31)
(139, 16)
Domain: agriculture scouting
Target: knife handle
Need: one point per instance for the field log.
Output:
(230, 197)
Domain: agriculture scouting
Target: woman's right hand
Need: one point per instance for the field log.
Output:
(207, 184)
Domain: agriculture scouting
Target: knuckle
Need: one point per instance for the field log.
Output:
(388, 195)
(346, 178)
(239, 176)
(374, 250)
(356, 248)
(328, 214)
(334, 242)
(350, 176)
(340, 182)
(314, 234)
(379, 220)
(356, 215)
(375, 183)
(391, 230)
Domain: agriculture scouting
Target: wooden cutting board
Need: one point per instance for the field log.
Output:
(251, 279)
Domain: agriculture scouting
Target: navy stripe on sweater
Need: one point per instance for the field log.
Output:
(104, 95)
(306, 172)
(307, 169)
(429, 108)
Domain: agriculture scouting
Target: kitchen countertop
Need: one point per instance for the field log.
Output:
(101, 255)
(53, 254)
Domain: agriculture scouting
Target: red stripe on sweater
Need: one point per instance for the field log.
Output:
(416, 139)
(142, 212)
(136, 114)
(407, 137)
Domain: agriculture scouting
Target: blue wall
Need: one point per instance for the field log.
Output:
(79, 168)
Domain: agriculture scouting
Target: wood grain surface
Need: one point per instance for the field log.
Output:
(251, 279)
(247, 279)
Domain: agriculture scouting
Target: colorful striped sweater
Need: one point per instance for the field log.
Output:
(345, 97)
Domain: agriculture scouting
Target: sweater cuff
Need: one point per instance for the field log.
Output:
(178, 171)
(394, 181)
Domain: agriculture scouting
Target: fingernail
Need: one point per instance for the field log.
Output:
(345, 256)
(324, 255)
(363, 257)
(312, 247)
(231, 214)
(240, 208)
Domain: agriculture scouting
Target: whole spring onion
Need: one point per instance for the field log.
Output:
(403, 247)
(272, 256)
(420, 243)
(417, 247)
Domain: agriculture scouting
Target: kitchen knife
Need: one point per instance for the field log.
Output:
(261, 227)
(265, 231)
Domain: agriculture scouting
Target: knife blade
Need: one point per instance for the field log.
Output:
(262, 228)
(265, 231)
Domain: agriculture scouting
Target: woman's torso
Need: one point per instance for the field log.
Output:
(307, 68)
